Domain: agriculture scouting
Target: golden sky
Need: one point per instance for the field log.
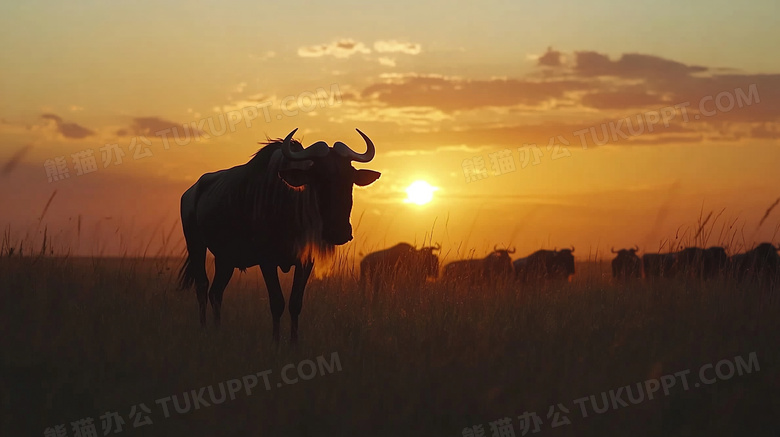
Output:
(597, 125)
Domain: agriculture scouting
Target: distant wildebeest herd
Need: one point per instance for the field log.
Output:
(761, 263)
(404, 261)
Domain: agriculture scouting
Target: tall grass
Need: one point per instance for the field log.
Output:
(83, 336)
(86, 335)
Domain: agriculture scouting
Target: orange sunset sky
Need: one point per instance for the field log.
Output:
(656, 111)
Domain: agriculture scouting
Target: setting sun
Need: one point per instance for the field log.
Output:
(420, 193)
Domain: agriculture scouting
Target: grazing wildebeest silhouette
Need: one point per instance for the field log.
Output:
(283, 208)
(545, 265)
(401, 262)
(495, 267)
(658, 265)
(627, 264)
(700, 264)
(716, 262)
(689, 263)
(759, 264)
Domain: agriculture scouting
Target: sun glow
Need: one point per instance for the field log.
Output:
(420, 193)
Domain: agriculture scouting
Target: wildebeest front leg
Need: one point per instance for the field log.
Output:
(275, 296)
(302, 272)
(223, 273)
(202, 291)
(201, 283)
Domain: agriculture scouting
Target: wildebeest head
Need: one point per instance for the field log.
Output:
(766, 251)
(761, 263)
(329, 172)
(626, 264)
(429, 261)
(499, 262)
(565, 260)
(715, 261)
(625, 252)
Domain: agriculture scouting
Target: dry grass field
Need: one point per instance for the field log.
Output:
(85, 336)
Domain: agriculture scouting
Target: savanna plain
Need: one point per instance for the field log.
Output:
(82, 336)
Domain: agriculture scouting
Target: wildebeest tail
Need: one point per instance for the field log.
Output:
(186, 275)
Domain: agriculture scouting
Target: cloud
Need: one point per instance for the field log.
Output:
(622, 100)
(68, 130)
(263, 57)
(666, 139)
(452, 94)
(411, 118)
(766, 131)
(150, 126)
(631, 65)
(551, 58)
(387, 62)
(346, 47)
(578, 134)
(393, 46)
(736, 98)
(57, 119)
(459, 149)
(342, 48)
(254, 100)
(720, 104)
(680, 83)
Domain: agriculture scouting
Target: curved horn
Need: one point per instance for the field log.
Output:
(344, 150)
(511, 251)
(495, 248)
(572, 249)
(612, 250)
(636, 248)
(437, 246)
(316, 150)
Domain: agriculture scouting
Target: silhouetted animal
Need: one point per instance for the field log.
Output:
(496, 266)
(400, 262)
(759, 264)
(626, 264)
(545, 265)
(283, 208)
(700, 264)
(658, 265)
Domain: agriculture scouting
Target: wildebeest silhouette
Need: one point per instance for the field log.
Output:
(761, 264)
(690, 263)
(545, 265)
(627, 264)
(401, 262)
(657, 265)
(283, 208)
(700, 264)
(496, 266)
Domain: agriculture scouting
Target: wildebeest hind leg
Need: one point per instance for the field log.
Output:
(275, 296)
(195, 270)
(223, 273)
(300, 279)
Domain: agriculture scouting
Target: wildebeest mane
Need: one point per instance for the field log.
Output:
(275, 201)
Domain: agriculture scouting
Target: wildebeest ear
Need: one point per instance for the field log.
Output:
(364, 177)
(294, 177)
